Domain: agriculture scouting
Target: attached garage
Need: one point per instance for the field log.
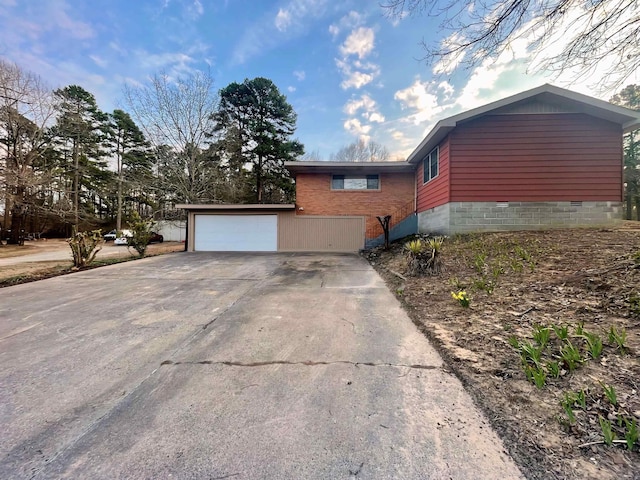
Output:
(235, 233)
(269, 228)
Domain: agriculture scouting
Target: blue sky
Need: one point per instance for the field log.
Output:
(347, 69)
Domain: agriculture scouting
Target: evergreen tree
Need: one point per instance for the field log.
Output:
(81, 130)
(630, 97)
(133, 165)
(263, 123)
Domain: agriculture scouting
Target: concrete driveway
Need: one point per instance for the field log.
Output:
(196, 365)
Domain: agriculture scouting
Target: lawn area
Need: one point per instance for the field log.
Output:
(29, 271)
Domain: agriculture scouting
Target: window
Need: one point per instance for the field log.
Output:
(430, 165)
(355, 182)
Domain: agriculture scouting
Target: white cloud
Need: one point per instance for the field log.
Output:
(262, 35)
(448, 65)
(196, 9)
(300, 75)
(355, 127)
(283, 20)
(117, 48)
(356, 78)
(291, 88)
(101, 62)
(367, 106)
(446, 88)
(365, 102)
(360, 42)
(351, 20)
(395, 20)
(418, 97)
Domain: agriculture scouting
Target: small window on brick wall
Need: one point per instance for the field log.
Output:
(355, 182)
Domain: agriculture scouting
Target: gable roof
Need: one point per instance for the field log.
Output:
(575, 102)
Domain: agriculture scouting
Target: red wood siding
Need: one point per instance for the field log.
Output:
(536, 157)
(436, 192)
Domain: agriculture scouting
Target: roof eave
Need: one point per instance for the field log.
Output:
(238, 207)
(348, 167)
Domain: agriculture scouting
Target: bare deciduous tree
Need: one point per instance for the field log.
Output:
(175, 115)
(565, 35)
(361, 151)
(26, 109)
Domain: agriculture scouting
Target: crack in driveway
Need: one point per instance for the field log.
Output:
(307, 363)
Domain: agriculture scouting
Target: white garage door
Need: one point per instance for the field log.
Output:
(236, 233)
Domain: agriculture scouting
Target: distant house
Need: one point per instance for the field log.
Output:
(543, 158)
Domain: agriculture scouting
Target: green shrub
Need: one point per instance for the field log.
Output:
(141, 230)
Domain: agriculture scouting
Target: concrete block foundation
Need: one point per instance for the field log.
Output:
(467, 217)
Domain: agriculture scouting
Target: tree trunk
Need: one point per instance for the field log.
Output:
(259, 180)
(76, 180)
(384, 221)
(629, 205)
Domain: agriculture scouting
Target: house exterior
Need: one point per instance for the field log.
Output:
(357, 189)
(543, 158)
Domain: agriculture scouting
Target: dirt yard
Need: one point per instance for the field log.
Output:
(549, 344)
(28, 270)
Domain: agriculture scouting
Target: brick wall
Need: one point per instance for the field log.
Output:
(315, 197)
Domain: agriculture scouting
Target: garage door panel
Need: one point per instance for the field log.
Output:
(236, 233)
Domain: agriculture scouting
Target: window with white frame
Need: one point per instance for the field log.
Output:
(355, 182)
(431, 165)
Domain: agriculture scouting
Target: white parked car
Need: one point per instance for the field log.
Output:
(123, 239)
(109, 236)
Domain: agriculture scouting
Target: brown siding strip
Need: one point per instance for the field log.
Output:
(310, 233)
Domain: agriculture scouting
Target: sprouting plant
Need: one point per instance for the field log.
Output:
(610, 393)
(539, 377)
(570, 356)
(516, 265)
(541, 335)
(456, 283)
(435, 243)
(514, 342)
(479, 261)
(608, 434)
(484, 284)
(553, 368)
(414, 246)
(531, 354)
(579, 330)
(594, 344)
(462, 298)
(523, 254)
(567, 403)
(496, 271)
(631, 432)
(581, 399)
(618, 338)
(634, 304)
(562, 331)
(526, 257)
